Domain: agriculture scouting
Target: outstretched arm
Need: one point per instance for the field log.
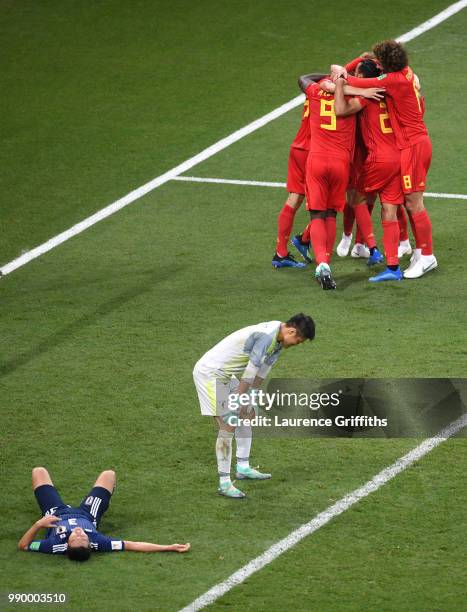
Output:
(308, 79)
(373, 93)
(149, 547)
(45, 522)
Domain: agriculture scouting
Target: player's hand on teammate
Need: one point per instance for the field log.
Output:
(47, 521)
(337, 72)
(374, 93)
(180, 548)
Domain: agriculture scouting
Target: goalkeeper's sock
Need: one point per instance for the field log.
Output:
(243, 435)
(224, 454)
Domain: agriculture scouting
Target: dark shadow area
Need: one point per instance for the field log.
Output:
(143, 286)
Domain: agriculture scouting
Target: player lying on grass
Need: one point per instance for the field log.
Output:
(235, 366)
(73, 531)
(406, 110)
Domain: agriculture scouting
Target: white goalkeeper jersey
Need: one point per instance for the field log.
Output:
(256, 344)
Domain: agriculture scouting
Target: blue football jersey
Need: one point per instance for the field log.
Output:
(56, 539)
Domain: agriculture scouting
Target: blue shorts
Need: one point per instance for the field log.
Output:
(93, 505)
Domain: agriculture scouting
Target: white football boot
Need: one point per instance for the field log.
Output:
(404, 249)
(360, 250)
(415, 257)
(343, 247)
(424, 264)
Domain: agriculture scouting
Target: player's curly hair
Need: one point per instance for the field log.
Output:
(392, 55)
(78, 553)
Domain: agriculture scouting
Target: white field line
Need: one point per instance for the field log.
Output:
(324, 517)
(451, 10)
(200, 157)
(144, 189)
(201, 179)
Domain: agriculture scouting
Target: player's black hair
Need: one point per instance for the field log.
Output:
(369, 69)
(78, 553)
(304, 325)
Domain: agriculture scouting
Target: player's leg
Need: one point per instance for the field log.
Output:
(343, 247)
(47, 496)
(214, 401)
(391, 243)
(415, 163)
(359, 249)
(405, 248)
(285, 219)
(224, 441)
(97, 501)
(365, 224)
(243, 439)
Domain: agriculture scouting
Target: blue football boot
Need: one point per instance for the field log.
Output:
(286, 262)
(303, 249)
(376, 258)
(387, 275)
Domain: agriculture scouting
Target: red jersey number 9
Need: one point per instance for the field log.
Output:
(306, 109)
(327, 110)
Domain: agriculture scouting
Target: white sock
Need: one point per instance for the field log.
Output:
(404, 243)
(243, 438)
(224, 454)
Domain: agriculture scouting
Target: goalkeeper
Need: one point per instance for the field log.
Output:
(236, 365)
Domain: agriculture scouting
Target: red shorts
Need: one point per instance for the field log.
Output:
(326, 182)
(356, 167)
(296, 170)
(415, 163)
(382, 178)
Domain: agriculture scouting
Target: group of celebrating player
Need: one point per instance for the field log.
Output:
(361, 136)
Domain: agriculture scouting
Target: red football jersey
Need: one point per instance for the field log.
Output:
(376, 131)
(329, 135)
(404, 104)
(302, 138)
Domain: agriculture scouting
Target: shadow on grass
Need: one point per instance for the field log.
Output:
(151, 279)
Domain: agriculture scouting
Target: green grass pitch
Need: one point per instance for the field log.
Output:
(98, 338)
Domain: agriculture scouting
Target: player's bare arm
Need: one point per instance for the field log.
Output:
(44, 523)
(372, 93)
(343, 107)
(308, 79)
(148, 547)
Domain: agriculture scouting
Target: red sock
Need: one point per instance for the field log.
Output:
(318, 239)
(414, 231)
(422, 223)
(402, 219)
(284, 229)
(306, 234)
(391, 242)
(349, 218)
(330, 237)
(363, 217)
